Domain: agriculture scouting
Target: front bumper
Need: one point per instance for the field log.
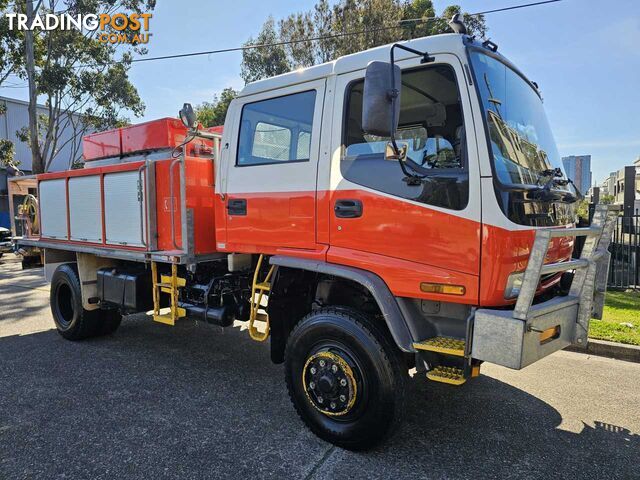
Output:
(519, 337)
(501, 339)
(6, 247)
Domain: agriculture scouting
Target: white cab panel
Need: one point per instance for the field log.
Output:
(85, 209)
(53, 208)
(124, 223)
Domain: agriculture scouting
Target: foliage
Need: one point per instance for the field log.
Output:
(607, 199)
(260, 63)
(11, 63)
(7, 152)
(83, 82)
(378, 21)
(11, 46)
(582, 209)
(620, 320)
(212, 114)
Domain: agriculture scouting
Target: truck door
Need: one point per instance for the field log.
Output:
(272, 169)
(415, 231)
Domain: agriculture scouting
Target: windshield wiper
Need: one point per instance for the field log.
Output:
(546, 194)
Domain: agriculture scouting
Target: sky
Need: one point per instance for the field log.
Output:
(584, 54)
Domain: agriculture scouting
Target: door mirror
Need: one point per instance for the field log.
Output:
(381, 99)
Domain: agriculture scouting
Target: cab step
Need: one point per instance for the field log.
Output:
(450, 375)
(445, 345)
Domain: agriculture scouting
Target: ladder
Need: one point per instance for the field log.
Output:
(170, 284)
(258, 291)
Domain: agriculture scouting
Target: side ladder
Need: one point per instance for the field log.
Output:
(258, 291)
(171, 285)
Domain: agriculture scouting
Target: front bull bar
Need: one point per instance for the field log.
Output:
(519, 337)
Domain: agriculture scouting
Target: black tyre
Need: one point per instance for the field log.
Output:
(109, 321)
(72, 320)
(345, 378)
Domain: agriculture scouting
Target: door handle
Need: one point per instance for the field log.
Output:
(237, 206)
(348, 208)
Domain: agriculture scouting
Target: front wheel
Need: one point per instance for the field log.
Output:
(345, 378)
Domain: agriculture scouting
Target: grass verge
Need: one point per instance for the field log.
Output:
(620, 320)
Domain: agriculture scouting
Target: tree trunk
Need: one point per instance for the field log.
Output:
(37, 163)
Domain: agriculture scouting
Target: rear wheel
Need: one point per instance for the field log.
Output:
(345, 378)
(72, 320)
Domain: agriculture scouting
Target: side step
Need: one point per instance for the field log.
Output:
(450, 375)
(445, 345)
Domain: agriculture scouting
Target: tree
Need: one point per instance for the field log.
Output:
(11, 64)
(266, 62)
(83, 86)
(11, 47)
(212, 114)
(582, 209)
(378, 22)
(7, 149)
(607, 199)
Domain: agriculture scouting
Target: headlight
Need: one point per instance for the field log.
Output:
(514, 283)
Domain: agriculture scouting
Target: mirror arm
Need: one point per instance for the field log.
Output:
(394, 94)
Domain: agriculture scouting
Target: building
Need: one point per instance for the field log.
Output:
(626, 189)
(14, 119)
(578, 169)
(606, 187)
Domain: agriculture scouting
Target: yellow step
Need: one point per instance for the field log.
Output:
(446, 345)
(450, 375)
(165, 281)
(167, 319)
(266, 286)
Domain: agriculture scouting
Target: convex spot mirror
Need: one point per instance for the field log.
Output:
(188, 116)
(381, 99)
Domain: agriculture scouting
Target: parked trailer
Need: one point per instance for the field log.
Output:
(367, 216)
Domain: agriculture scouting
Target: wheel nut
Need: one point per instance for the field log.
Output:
(333, 405)
(342, 398)
(320, 400)
(313, 370)
(334, 368)
(312, 385)
(343, 382)
(322, 363)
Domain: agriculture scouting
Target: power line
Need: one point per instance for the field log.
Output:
(514, 7)
(399, 24)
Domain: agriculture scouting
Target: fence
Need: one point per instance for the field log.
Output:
(624, 270)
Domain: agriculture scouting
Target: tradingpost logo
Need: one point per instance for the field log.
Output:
(109, 28)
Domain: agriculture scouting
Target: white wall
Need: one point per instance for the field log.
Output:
(17, 117)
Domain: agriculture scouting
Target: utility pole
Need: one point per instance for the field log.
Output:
(37, 164)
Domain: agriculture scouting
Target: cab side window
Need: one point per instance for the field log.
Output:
(431, 126)
(276, 130)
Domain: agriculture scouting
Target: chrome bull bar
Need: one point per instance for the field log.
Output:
(516, 338)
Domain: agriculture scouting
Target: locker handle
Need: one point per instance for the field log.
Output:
(141, 201)
(173, 203)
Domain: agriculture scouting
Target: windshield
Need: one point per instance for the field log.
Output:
(522, 144)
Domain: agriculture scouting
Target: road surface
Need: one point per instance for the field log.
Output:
(193, 401)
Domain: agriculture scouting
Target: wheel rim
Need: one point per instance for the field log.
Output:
(64, 305)
(329, 378)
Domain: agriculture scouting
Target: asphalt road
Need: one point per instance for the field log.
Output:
(193, 401)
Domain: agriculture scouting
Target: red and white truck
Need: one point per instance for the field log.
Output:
(403, 208)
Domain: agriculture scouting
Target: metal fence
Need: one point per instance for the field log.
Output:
(624, 270)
